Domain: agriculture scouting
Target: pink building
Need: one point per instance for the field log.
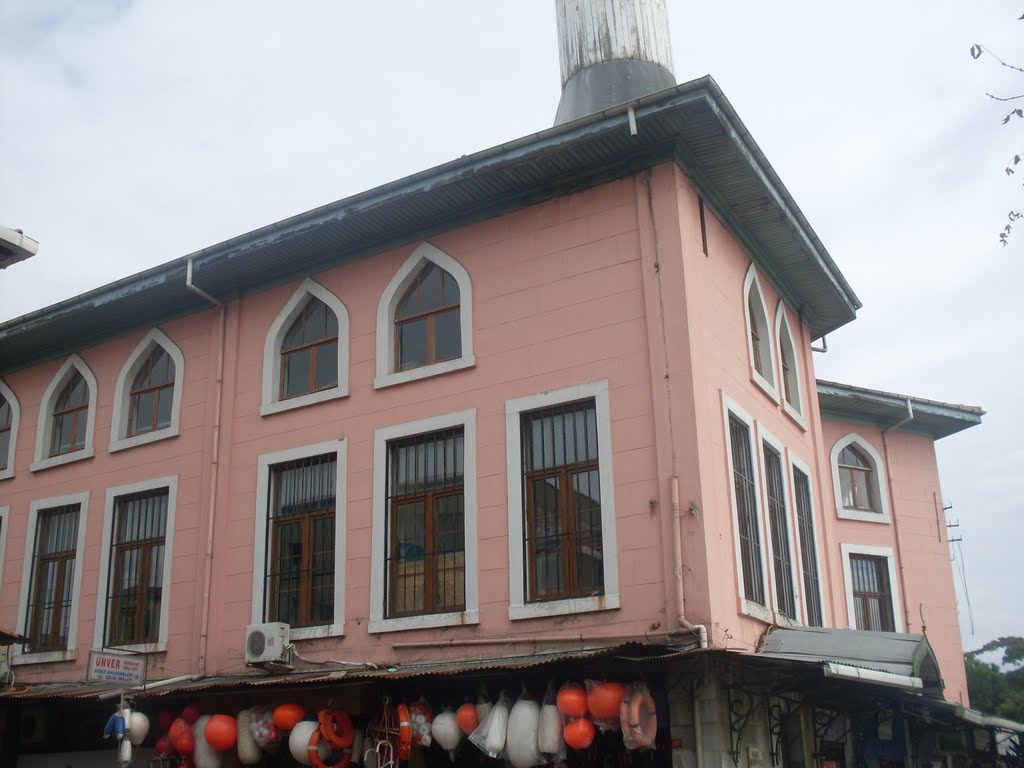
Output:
(522, 410)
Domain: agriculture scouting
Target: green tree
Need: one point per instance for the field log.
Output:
(998, 689)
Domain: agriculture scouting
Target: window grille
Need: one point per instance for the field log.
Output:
(562, 499)
(746, 511)
(53, 578)
(782, 560)
(135, 579)
(425, 563)
(301, 526)
(805, 527)
(872, 593)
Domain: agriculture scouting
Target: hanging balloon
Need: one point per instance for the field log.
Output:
(190, 713)
(185, 743)
(467, 718)
(521, 741)
(446, 731)
(579, 733)
(164, 746)
(178, 727)
(572, 700)
(204, 754)
(287, 716)
(221, 732)
(603, 701)
(139, 729)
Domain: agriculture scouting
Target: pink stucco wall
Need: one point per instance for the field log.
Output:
(605, 284)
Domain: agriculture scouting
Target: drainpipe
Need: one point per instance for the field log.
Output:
(677, 564)
(204, 622)
(892, 509)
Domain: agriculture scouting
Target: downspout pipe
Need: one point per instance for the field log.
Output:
(892, 508)
(677, 555)
(204, 622)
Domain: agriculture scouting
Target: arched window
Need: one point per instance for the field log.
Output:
(70, 415)
(305, 355)
(152, 394)
(858, 476)
(67, 415)
(427, 326)
(790, 367)
(309, 352)
(425, 319)
(6, 421)
(759, 335)
(855, 478)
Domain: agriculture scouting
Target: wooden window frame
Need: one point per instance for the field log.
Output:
(72, 413)
(887, 615)
(847, 473)
(65, 560)
(429, 314)
(136, 393)
(6, 428)
(745, 492)
(147, 546)
(314, 346)
(778, 526)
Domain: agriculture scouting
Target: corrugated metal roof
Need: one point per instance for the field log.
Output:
(884, 409)
(693, 123)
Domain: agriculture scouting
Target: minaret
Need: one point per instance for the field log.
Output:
(611, 52)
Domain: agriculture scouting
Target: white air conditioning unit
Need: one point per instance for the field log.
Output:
(268, 645)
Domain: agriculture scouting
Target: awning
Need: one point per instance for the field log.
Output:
(882, 658)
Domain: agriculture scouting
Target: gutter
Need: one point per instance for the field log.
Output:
(848, 672)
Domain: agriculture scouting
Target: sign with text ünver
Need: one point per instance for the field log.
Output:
(116, 668)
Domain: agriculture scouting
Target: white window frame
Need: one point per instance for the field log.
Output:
(894, 587)
(8, 394)
(751, 282)
(747, 607)
(783, 330)
(45, 657)
(5, 521)
(381, 438)
(100, 630)
(119, 439)
(272, 400)
(387, 375)
(764, 436)
(259, 564)
(796, 462)
(884, 514)
(518, 607)
(44, 429)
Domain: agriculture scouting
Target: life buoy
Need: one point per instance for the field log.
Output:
(313, 753)
(404, 732)
(336, 726)
(639, 718)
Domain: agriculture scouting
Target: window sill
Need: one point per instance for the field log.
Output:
(6, 474)
(757, 611)
(158, 647)
(302, 401)
(64, 458)
(794, 414)
(429, 621)
(315, 633)
(784, 621)
(563, 607)
(125, 443)
(766, 386)
(863, 515)
(46, 657)
(423, 372)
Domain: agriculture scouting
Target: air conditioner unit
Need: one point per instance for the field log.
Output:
(268, 645)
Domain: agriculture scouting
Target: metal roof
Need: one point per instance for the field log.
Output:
(692, 123)
(885, 409)
(892, 652)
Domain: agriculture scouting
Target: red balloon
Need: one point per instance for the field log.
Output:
(286, 716)
(178, 727)
(190, 713)
(221, 732)
(163, 746)
(185, 744)
(165, 718)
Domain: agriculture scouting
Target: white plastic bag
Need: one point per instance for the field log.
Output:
(491, 734)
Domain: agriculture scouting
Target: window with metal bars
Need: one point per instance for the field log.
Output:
(5, 432)
(782, 561)
(857, 480)
(564, 555)
(301, 535)
(425, 562)
(152, 394)
(52, 578)
(70, 417)
(428, 325)
(809, 561)
(309, 352)
(746, 511)
(135, 580)
(872, 593)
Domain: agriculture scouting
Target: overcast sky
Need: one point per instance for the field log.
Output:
(132, 133)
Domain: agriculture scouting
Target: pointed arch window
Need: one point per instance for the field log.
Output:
(858, 477)
(425, 319)
(70, 416)
(305, 355)
(152, 394)
(6, 422)
(147, 395)
(67, 416)
(789, 364)
(309, 352)
(759, 337)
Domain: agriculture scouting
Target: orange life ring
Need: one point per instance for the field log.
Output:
(336, 726)
(404, 732)
(313, 753)
(639, 717)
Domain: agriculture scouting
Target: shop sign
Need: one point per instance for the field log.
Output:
(116, 668)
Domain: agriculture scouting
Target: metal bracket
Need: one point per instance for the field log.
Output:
(824, 720)
(780, 707)
(742, 706)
